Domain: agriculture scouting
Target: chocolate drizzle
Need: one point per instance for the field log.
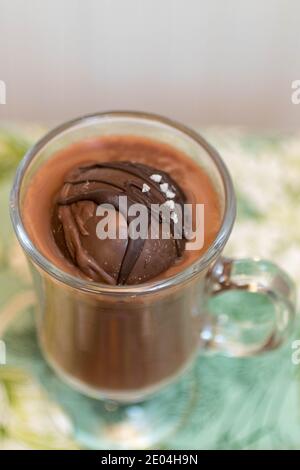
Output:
(104, 183)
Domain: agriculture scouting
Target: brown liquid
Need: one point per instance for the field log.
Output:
(45, 185)
(117, 344)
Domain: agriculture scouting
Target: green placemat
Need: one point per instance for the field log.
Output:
(231, 403)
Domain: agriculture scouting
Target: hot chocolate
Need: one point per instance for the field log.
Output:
(116, 343)
(119, 317)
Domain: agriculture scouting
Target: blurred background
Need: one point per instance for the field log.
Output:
(201, 62)
(225, 67)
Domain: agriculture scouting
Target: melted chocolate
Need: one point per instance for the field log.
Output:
(127, 261)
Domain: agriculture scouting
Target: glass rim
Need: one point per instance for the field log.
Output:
(151, 286)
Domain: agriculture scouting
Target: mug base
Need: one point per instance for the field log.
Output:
(98, 422)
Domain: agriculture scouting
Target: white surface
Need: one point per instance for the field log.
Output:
(216, 61)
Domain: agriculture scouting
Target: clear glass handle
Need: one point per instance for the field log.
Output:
(247, 329)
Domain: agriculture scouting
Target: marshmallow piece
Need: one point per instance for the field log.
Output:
(170, 194)
(156, 178)
(170, 204)
(164, 187)
(146, 188)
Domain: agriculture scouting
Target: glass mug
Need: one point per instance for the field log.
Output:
(125, 342)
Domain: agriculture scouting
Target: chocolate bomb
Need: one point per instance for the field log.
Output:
(119, 260)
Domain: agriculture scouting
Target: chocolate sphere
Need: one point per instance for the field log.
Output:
(123, 259)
